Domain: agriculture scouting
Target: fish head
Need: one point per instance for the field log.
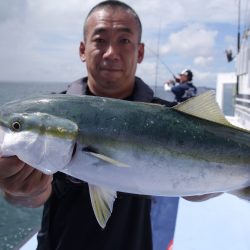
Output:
(44, 141)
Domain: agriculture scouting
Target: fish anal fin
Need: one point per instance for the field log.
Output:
(102, 200)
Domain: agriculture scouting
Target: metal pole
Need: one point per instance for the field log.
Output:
(238, 45)
(238, 40)
(157, 58)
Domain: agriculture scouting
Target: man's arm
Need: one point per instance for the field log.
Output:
(23, 185)
(179, 91)
(243, 193)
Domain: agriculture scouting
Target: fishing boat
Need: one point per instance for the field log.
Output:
(222, 222)
(242, 97)
(236, 86)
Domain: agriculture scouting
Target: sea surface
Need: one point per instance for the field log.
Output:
(18, 224)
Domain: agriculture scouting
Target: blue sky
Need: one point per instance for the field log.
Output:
(40, 39)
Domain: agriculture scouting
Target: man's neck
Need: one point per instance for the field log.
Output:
(119, 93)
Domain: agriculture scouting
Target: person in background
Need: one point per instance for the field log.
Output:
(111, 49)
(185, 88)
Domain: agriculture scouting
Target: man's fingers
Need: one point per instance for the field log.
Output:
(23, 184)
(10, 166)
(28, 201)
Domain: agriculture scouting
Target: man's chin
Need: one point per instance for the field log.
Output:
(111, 77)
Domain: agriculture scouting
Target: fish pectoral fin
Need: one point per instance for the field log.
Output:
(102, 200)
(204, 106)
(108, 159)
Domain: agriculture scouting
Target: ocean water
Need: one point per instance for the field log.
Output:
(16, 90)
(16, 224)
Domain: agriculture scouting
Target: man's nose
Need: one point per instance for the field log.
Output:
(112, 51)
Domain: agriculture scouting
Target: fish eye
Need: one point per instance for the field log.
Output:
(16, 126)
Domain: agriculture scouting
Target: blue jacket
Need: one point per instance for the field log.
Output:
(184, 91)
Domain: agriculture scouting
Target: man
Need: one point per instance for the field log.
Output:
(111, 49)
(185, 89)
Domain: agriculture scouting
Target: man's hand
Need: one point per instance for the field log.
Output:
(170, 82)
(243, 193)
(203, 197)
(22, 184)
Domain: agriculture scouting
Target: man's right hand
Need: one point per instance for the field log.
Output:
(170, 82)
(22, 184)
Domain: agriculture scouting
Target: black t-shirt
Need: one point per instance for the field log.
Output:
(69, 221)
(68, 218)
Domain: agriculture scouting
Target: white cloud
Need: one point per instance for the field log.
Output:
(205, 78)
(179, 12)
(203, 61)
(193, 40)
(150, 67)
(12, 10)
(230, 42)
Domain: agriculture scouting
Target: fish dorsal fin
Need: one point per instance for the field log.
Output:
(205, 107)
(102, 200)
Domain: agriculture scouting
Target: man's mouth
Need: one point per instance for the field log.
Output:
(110, 66)
(112, 69)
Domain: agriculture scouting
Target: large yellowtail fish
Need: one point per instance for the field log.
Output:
(117, 145)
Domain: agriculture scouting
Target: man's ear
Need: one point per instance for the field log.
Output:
(82, 52)
(140, 53)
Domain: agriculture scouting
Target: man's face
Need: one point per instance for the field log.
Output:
(183, 78)
(111, 51)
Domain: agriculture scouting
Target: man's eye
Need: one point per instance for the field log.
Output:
(125, 41)
(100, 41)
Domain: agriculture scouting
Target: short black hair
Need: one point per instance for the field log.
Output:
(114, 4)
(188, 73)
